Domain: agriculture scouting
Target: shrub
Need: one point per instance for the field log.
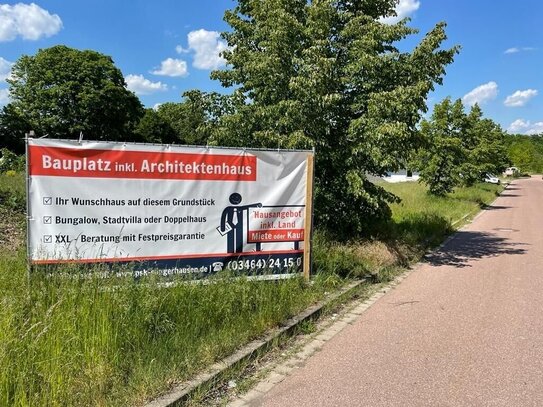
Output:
(11, 162)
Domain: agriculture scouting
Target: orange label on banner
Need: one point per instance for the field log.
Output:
(90, 163)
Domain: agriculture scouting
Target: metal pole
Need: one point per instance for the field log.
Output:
(27, 167)
(312, 211)
(308, 217)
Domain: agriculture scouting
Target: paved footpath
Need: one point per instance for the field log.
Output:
(464, 329)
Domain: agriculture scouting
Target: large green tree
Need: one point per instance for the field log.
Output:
(62, 91)
(486, 153)
(329, 74)
(459, 148)
(443, 152)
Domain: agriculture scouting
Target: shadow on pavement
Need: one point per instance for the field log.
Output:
(467, 246)
(495, 207)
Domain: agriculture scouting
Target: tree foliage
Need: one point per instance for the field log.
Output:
(488, 156)
(61, 92)
(459, 148)
(194, 119)
(9, 161)
(526, 152)
(153, 128)
(190, 122)
(329, 74)
(13, 128)
(443, 153)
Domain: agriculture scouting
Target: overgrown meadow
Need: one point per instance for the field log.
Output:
(93, 341)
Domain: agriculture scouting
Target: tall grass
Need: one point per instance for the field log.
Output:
(81, 342)
(422, 220)
(12, 208)
(12, 192)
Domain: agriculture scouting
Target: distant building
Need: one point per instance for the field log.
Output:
(401, 176)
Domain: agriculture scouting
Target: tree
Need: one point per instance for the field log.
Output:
(459, 148)
(13, 128)
(525, 152)
(327, 74)
(443, 152)
(470, 135)
(194, 119)
(153, 128)
(489, 155)
(61, 92)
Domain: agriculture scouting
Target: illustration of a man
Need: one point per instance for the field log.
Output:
(232, 223)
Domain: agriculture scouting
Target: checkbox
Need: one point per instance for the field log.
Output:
(47, 220)
(47, 239)
(48, 200)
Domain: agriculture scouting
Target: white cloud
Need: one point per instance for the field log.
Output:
(404, 9)
(481, 94)
(513, 50)
(156, 106)
(520, 98)
(516, 50)
(5, 69)
(525, 127)
(172, 67)
(141, 86)
(517, 126)
(180, 50)
(28, 21)
(4, 97)
(207, 47)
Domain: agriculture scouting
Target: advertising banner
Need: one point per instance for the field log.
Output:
(172, 210)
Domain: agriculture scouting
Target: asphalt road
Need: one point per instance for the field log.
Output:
(464, 329)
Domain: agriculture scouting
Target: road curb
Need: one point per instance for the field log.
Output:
(219, 370)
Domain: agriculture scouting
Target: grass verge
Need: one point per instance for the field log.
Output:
(79, 342)
(422, 220)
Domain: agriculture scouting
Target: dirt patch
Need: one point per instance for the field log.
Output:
(377, 255)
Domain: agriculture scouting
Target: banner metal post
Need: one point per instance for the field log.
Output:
(27, 182)
(308, 227)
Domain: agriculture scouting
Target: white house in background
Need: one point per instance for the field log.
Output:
(402, 176)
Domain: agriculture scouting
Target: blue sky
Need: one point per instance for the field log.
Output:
(165, 47)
